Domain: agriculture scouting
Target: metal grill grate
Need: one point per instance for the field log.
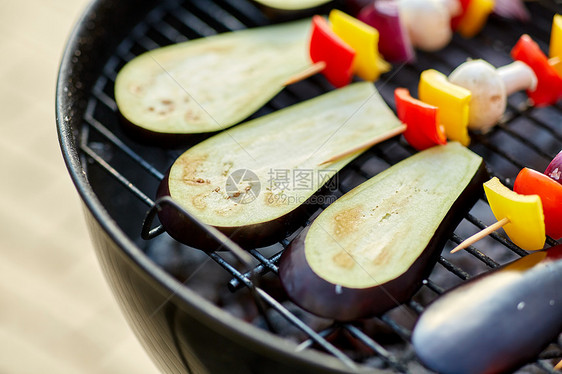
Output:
(125, 173)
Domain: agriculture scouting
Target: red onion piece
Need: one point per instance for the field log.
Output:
(554, 169)
(394, 41)
(355, 6)
(512, 9)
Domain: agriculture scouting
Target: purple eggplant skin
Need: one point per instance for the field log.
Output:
(160, 139)
(496, 322)
(328, 300)
(179, 227)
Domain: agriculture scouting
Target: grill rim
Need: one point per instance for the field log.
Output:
(75, 81)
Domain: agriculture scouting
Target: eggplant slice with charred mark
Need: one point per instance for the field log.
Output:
(255, 181)
(371, 249)
(208, 84)
(497, 321)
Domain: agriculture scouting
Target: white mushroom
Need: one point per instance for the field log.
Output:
(490, 87)
(429, 22)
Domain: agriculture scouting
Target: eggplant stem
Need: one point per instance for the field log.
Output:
(308, 72)
(481, 235)
(381, 138)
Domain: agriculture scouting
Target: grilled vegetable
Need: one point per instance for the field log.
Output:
(364, 39)
(428, 22)
(554, 169)
(452, 100)
(512, 9)
(423, 128)
(555, 48)
(496, 322)
(212, 83)
(283, 151)
(549, 86)
(327, 47)
(292, 4)
(371, 249)
(474, 17)
(490, 87)
(394, 42)
(524, 214)
(529, 182)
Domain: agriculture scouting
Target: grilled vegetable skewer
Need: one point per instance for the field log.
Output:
(532, 208)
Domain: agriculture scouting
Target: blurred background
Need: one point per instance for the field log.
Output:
(57, 314)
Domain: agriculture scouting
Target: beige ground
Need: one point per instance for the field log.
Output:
(56, 312)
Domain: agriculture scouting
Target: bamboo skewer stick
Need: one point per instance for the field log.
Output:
(481, 235)
(381, 138)
(558, 366)
(310, 71)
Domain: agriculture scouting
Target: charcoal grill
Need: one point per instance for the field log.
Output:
(250, 327)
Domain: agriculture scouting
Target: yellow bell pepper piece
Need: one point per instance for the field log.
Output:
(556, 37)
(556, 63)
(364, 39)
(475, 17)
(526, 219)
(453, 102)
(555, 52)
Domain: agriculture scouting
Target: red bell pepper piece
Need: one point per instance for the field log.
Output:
(422, 121)
(531, 182)
(549, 87)
(325, 46)
(457, 19)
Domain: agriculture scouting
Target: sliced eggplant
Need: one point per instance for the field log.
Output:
(371, 249)
(249, 181)
(495, 322)
(212, 83)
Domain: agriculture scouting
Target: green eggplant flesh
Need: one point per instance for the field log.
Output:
(371, 249)
(278, 150)
(209, 84)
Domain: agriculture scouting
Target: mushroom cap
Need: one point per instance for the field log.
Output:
(488, 91)
(428, 23)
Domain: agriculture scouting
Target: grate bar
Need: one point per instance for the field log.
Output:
(318, 339)
(376, 347)
(399, 329)
(216, 12)
(308, 343)
(544, 126)
(531, 145)
(102, 97)
(433, 286)
(124, 181)
(453, 268)
(124, 148)
(266, 265)
(476, 253)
